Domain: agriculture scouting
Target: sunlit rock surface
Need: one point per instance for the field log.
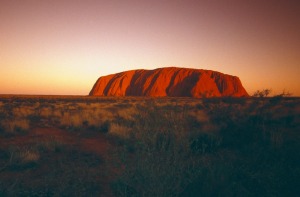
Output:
(170, 81)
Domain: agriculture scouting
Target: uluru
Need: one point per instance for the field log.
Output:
(169, 82)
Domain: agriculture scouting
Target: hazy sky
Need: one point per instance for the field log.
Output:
(63, 46)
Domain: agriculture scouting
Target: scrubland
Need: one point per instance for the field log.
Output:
(138, 146)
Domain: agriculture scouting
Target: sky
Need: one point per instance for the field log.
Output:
(62, 47)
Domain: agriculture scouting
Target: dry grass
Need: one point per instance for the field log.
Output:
(46, 112)
(166, 146)
(128, 113)
(22, 112)
(49, 144)
(28, 156)
(15, 125)
(119, 130)
(71, 120)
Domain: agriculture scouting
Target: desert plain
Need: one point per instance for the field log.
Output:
(149, 146)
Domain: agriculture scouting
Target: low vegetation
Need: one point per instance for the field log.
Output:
(136, 146)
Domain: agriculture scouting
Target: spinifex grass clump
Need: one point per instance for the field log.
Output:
(11, 125)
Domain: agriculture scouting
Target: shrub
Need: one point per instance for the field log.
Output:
(262, 93)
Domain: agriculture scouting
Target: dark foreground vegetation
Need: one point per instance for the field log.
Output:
(130, 146)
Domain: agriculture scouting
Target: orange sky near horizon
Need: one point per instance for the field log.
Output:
(61, 47)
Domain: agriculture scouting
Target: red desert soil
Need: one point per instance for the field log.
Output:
(170, 81)
(97, 143)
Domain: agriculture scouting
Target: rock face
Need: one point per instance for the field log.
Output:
(170, 81)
